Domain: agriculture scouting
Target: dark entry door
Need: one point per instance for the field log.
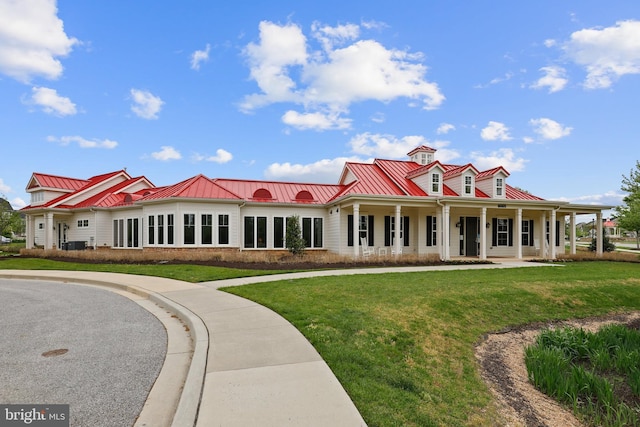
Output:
(471, 236)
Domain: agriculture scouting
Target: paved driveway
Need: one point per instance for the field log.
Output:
(90, 348)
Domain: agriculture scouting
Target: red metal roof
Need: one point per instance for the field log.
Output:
(491, 172)
(197, 187)
(53, 181)
(281, 192)
(421, 148)
(397, 170)
(515, 194)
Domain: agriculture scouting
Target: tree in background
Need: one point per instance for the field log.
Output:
(10, 220)
(293, 239)
(628, 214)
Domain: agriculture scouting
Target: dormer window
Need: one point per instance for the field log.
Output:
(435, 182)
(468, 185)
(499, 186)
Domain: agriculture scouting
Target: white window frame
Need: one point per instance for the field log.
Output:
(435, 182)
(467, 186)
(499, 186)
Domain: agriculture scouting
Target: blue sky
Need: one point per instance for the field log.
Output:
(290, 90)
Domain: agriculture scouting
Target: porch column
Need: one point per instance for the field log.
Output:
(552, 234)
(483, 234)
(599, 239)
(543, 235)
(29, 231)
(518, 233)
(397, 244)
(572, 233)
(356, 230)
(48, 231)
(446, 255)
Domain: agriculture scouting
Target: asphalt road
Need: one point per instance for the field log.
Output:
(114, 350)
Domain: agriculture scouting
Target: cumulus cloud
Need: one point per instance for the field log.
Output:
(505, 157)
(316, 121)
(445, 128)
(83, 142)
(344, 70)
(549, 129)
(4, 188)
(323, 171)
(166, 153)
(385, 146)
(554, 79)
(495, 131)
(51, 102)
(608, 198)
(606, 53)
(222, 156)
(32, 39)
(17, 203)
(145, 104)
(200, 56)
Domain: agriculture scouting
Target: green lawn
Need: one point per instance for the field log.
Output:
(186, 272)
(402, 345)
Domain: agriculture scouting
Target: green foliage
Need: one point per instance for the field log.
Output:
(10, 220)
(628, 214)
(293, 240)
(607, 245)
(580, 369)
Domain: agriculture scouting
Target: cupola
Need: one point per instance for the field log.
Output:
(422, 155)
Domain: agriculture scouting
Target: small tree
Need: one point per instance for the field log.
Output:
(607, 246)
(10, 220)
(293, 240)
(629, 213)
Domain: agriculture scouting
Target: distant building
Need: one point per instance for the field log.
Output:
(417, 206)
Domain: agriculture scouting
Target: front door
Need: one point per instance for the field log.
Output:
(471, 236)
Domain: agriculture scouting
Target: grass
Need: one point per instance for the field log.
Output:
(596, 374)
(402, 345)
(186, 272)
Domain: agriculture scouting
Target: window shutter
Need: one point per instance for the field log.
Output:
(429, 230)
(349, 230)
(387, 230)
(370, 230)
(406, 231)
(494, 232)
(531, 233)
(510, 232)
(557, 233)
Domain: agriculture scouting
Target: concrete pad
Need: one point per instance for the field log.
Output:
(304, 394)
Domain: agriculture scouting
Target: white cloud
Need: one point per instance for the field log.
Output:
(4, 188)
(495, 81)
(83, 142)
(606, 53)
(445, 128)
(608, 198)
(32, 39)
(385, 146)
(17, 203)
(323, 171)
(221, 157)
(503, 157)
(51, 102)
(444, 154)
(316, 121)
(200, 56)
(166, 153)
(554, 79)
(286, 69)
(146, 105)
(495, 131)
(550, 42)
(549, 129)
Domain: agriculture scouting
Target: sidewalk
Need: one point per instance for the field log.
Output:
(249, 365)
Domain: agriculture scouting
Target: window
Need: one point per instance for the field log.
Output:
(170, 229)
(278, 232)
(160, 229)
(317, 232)
(503, 232)
(435, 182)
(468, 185)
(390, 230)
(306, 232)
(432, 230)
(37, 197)
(132, 233)
(525, 233)
(152, 231)
(189, 229)
(83, 223)
(40, 226)
(499, 186)
(118, 233)
(365, 229)
(255, 232)
(223, 229)
(206, 229)
(312, 232)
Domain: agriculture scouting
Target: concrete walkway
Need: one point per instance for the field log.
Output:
(249, 365)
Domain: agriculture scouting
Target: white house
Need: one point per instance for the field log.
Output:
(417, 206)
